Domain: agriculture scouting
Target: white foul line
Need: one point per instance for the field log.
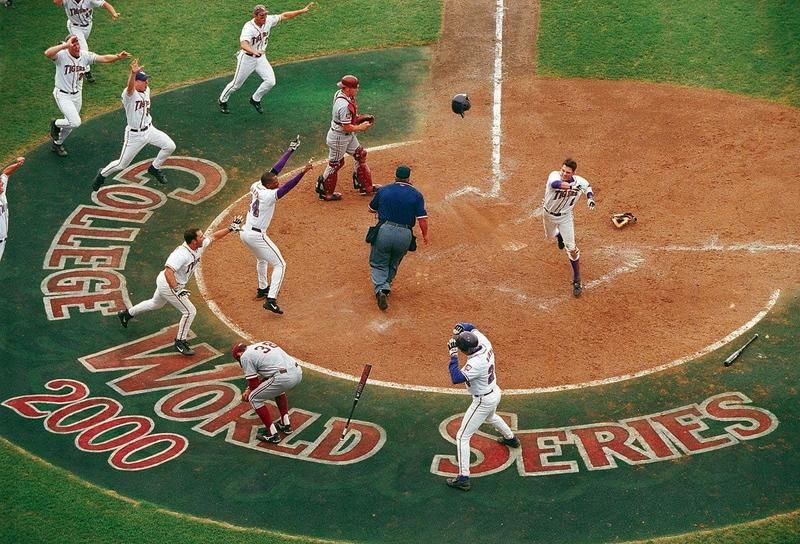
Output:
(497, 97)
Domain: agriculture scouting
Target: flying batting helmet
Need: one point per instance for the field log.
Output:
(237, 350)
(348, 81)
(467, 342)
(461, 104)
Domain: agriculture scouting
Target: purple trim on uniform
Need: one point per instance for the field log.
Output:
(456, 376)
(289, 185)
(590, 195)
(467, 326)
(556, 184)
(282, 161)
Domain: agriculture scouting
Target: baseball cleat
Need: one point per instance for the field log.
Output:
(560, 241)
(264, 436)
(55, 132)
(512, 442)
(89, 77)
(223, 107)
(59, 150)
(329, 198)
(261, 293)
(285, 429)
(294, 144)
(576, 289)
(158, 174)
(256, 105)
(124, 316)
(98, 181)
(460, 482)
(380, 296)
(183, 348)
(272, 306)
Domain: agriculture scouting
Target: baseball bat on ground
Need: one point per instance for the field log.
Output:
(357, 395)
(735, 355)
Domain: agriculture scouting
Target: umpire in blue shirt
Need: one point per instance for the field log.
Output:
(398, 206)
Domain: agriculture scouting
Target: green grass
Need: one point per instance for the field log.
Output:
(741, 46)
(179, 41)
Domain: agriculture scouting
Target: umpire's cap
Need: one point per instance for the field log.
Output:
(467, 342)
(461, 104)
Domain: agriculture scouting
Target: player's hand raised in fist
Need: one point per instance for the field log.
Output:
(458, 329)
(451, 347)
(591, 204)
(309, 165)
(236, 224)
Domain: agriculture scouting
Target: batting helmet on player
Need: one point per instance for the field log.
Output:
(461, 104)
(237, 350)
(351, 82)
(467, 342)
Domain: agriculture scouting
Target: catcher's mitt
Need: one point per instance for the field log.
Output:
(622, 219)
(365, 119)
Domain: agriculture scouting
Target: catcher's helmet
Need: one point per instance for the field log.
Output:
(461, 104)
(467, 342)
(351, 82)
(237, 350)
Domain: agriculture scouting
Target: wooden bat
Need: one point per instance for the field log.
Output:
(735, 355)
(357, 395)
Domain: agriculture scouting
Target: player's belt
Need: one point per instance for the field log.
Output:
(403, 225)
(479, 396)
(140, 129)
(67, 92)
(80, 25)
(248, 54)
(553, 213)
(255, 229)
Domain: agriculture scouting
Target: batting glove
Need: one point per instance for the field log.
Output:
(294, 144)
(458, 329)
(236, 224)
(182, 293)
(591, 204)
(451, 347)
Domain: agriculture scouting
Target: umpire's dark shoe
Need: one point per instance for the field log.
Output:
(124, 316)
(256, 105)
(285, 429)
(158, 174)
(272, 305)
(512, 442)
(560, 241)
(261, 293)
(98, 181)
(380, 296)
(264, 436)
(576, 289)
(460, 482)
(59, 150)
(55, 132)
(183, 347)
(223, 107)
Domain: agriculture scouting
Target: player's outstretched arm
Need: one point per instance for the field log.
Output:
(135, 67)
(11, 168)
(289, 185)
(51, 52)
(108, 59)
(58, 2)
(286, 15)
(110, 9)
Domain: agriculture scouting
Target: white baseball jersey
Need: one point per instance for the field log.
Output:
(479, 368)
(79, 12)
(183, 261)
(137, 108)
(562, 201)
(262, 206)
(69, 70)
(3, 207)
(258, 36)
(344, 110)
(265, 359)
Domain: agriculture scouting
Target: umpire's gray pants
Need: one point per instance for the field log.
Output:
(386, 254)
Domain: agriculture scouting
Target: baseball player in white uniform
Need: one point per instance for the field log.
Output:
(140, 130)
(479, 374)
(171, 282)
(71, 63)
(7, 171)
(562, 192)
(264, 195)
(252, 57)
(270, 372)
(79, 21)
(342, 140)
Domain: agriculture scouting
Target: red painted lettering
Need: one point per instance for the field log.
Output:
(539, 446)
(728, 407)
(601, 444)
(685, 426)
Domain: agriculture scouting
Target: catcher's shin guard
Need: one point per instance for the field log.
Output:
(362, 175)
(320, 188)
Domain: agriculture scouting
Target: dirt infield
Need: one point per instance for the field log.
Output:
(685, 161)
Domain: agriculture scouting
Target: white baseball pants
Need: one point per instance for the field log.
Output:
(564, 225)
(2, 248)
(246, 65)
(339, 145)
(161, 296)
(481, 410)
(70, 105)
(266, 253)
(133, 142)
(278, 384)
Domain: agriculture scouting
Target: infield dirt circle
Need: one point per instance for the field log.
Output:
(707, 173)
